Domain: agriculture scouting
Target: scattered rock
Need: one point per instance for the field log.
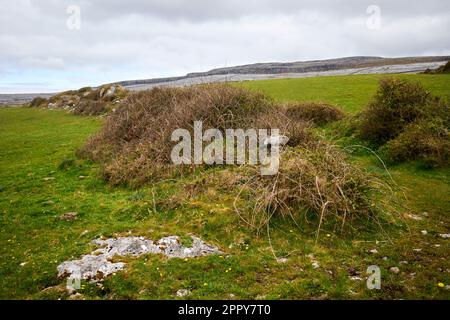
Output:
(76, 296)
(444, 235)
(352, 271)
(394, 270)
(97, 265)
(68, 216)
(282, 260)
(110, 91)
(183, 293)
(414, 217)
(314, 263)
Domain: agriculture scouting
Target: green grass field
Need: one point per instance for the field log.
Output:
(349, 92)
(41, 178)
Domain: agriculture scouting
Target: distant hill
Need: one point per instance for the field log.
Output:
(295, 67)
(275, 70)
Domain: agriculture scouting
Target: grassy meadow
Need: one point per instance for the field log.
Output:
(41, 178)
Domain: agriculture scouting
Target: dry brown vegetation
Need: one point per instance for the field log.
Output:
(134, 145)
(134, 148)
(313, 179)
(318, 113)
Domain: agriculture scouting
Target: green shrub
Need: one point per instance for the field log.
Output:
(37, 102)
(442, 69)
(396, 104)
(425, 139)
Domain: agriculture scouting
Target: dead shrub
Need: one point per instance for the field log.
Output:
(135, 144)
(318, 113)
(91, 108)
(297, 130)
(313, 178)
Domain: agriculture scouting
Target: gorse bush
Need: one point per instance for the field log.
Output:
(316, 112)
(424, 139)
(396, 104)
(407, 123)
(442, 69)
(37, 102)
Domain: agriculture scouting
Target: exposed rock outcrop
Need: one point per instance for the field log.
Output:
(97, 265)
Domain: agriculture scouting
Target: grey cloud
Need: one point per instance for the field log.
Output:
(140, 39)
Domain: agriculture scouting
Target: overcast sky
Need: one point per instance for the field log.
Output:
(44, 47)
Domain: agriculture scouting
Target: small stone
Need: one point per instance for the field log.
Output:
(315, 265)
(68, 216)
(48, 178)
(394, 270)
(385, 258)
(23, 264)
(444, 235)
(82, 177)
(183, 293)
(231, 295)
(76, 296)
(414, 217)
(282, 260)
(373, 251)
(437, 245)
(424, 232)
(356, 278)
(404, 262)
(417, 250)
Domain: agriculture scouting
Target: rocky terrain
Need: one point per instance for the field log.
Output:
(275, 70)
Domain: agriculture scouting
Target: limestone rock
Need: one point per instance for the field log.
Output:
(97, 265)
